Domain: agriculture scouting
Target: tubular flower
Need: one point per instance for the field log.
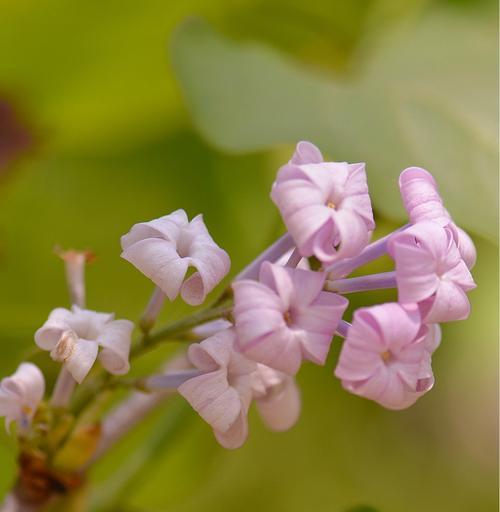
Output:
(420, 195)
(20, 395)
(431, 272)
(223, 393)
(74, 337)
(286, 317)
(325, 205)
(163, 250)
(386, 355)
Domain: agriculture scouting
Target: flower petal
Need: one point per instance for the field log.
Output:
(168, 228)
(82, 359)
(215, 401)
(158, 260)
(47, 336)
(280, 410)
(306, 153)
(236, 435)
(449, 304)
(115, 341)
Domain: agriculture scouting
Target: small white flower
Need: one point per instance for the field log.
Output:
(163, 250)
(74, 337)
(20, 395)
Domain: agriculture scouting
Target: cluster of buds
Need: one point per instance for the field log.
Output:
(283, 309)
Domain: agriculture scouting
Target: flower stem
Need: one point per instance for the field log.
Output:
(272, 253)
(152, 310)
(370, 253)
(63, 389)
(173, 330)
(170, 380)
(342, 328)
(294, 259)
(361, 284)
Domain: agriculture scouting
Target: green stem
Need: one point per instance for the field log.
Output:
(176, 329)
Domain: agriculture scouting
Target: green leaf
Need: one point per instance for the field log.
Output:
(427, 96)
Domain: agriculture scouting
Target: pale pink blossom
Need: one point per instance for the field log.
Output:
(74, 337)
(277, 398)
(431, 272)
(286, 317)
(163, 250)
(325, 205)
(222, 394)
(20, 395)
(386, 355)
(422, 201)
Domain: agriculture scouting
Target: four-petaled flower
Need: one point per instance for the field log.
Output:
(325, 205)
(223, 393)
(20, 395)
(386, 355)
(286, 317)
(431, 272)
(163, 250)
(74, 337)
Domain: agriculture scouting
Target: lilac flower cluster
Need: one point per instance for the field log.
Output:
(284, 315)
(283, 309)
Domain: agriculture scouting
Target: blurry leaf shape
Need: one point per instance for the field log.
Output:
(94, 74)
(427, 97)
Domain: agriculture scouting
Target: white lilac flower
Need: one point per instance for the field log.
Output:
(164, 249)
(20, 395)
(74, 337)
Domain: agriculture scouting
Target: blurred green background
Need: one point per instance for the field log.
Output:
(114, 112)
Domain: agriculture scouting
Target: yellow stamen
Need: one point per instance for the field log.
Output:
(331, 204)
(26, 410)
(385, 356)
(287, 317)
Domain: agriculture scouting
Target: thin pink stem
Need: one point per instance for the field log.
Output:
(343, 328)
(370, 253)
(152, 310)
(361, 284)
(63, 388)
(294, 259)
(272, 253)
(171, 380)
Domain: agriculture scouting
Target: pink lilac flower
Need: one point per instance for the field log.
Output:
(277, 398)
(286, 317)
(223, 392)
(20, 395)
(420, 195)
(431, 272)
(163, 250)
(386, 355)
(74, 337)
(325, 205)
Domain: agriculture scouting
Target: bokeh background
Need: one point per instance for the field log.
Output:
(114, 112)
